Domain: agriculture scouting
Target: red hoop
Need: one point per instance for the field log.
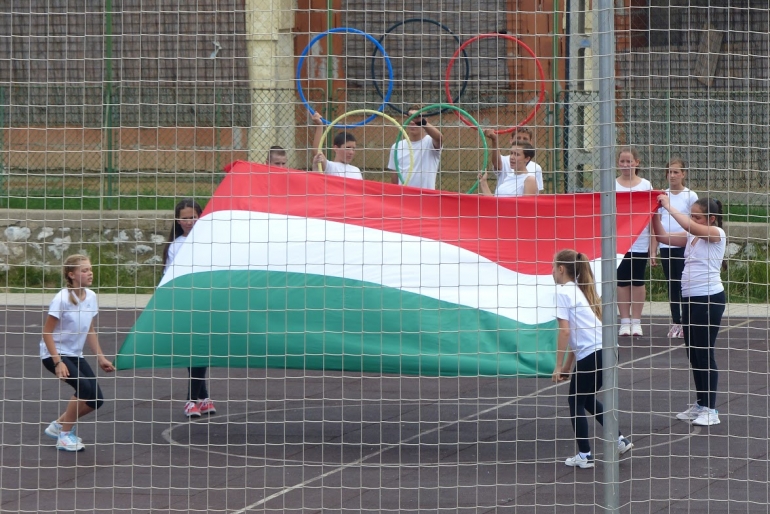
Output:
(451, 64)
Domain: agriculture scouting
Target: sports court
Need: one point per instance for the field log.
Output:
(293, 441)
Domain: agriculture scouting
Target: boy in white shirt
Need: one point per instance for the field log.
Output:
(513, 179)
(524, 135)
(344, 146)
(426, 141)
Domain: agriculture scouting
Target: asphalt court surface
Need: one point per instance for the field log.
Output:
(307, 441)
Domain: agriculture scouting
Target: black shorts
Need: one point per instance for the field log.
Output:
(632, 268)
(82, 379)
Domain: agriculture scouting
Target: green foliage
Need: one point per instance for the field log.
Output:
(110, 275)
(746, 213)
(745, 280)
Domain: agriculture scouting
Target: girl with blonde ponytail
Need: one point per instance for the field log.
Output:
(579, 312)
(68, 327)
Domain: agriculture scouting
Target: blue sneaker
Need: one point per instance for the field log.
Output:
(54, 429)
(69, 442)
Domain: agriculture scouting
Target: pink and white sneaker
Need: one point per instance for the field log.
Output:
(207, 406)
(191, 410)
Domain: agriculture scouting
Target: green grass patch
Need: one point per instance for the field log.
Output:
(738, 213)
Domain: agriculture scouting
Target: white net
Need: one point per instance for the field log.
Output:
(315, 343)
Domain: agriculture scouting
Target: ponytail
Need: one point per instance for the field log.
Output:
(579, 271)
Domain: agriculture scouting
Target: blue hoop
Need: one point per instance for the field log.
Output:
(443, 27)
(346, 30)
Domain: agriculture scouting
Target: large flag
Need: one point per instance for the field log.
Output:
(290, 269)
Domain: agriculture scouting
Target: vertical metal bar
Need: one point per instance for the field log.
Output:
(3, 178)
(606, 84)
(556, 95)
(108, 97)
(329, 69)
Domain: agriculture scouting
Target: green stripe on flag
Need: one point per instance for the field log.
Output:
(293, 320)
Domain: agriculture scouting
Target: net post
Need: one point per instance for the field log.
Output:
(606, 85)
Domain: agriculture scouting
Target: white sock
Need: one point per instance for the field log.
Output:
(620, 438)
(584, 455)
(636, 321)
(625, 321)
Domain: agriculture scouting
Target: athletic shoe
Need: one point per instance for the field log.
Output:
(625, 330)
(206, 407)
(692, 412)
(580, 462)
(680, 333)
(707, 418)
(54, 429)
(68, 442)
(673, 331)
(624, 445)
(191, 410)
(636, 329)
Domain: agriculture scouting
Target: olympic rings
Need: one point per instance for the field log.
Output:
(347, 30)
(373, 113)
(541, 97)
(460, 112)
(441, 26)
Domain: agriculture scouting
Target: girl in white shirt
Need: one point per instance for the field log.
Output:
(703, 296)
(630, 275)
(513, 179)
(186, 213)
(672, 257)
(68, 327)
(579, 313)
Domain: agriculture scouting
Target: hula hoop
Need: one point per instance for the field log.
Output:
(441, 26)
(540, 71)
(459, 112)
(344, 30)
(373, 113)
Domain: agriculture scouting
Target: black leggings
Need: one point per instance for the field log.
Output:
(585, 383)
(672, 260)
(197, 390)
(82, 379)
(701, 317)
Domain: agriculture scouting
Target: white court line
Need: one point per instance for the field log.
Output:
(339, 469)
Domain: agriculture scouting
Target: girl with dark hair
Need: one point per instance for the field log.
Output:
(672, 257)
(579, 312)
(703, 296)
(186, 213)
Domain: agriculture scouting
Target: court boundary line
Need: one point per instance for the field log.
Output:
(443, 426)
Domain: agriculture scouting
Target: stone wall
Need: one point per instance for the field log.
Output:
(136, 238)
(43, 238)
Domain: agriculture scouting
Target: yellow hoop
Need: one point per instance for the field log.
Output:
(386, 117)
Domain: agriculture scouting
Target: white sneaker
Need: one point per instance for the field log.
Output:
(68, 442)
(580, 462)
(707, 418)
(624, 445)
(692, 412)
(625, 330)
(54, 429)
(636, 329)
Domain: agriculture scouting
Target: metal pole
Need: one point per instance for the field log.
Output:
(606, 84)
(108, 97)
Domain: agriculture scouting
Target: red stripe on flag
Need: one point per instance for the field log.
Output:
(522, 234)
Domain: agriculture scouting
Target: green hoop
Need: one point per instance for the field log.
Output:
(443, 107)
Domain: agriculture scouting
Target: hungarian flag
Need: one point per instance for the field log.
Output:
(290, 269)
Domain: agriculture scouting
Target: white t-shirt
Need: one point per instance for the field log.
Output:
(536, 171)
(426, 161)
(173, 250)
(585, 335)
(340, 169)
(702, 265)
(681, 201)
(510, 183)
(75, 320)
(642, 243)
